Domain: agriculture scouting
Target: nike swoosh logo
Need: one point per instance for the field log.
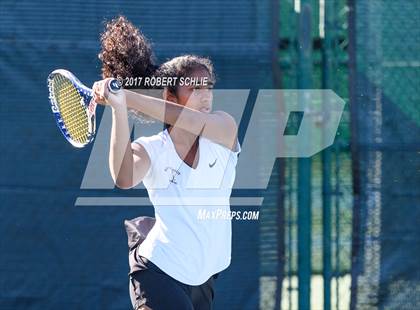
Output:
(211, 165)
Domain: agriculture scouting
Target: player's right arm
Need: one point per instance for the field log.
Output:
(128, 162)
(127, 169)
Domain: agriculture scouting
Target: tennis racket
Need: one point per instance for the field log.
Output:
(73, 107)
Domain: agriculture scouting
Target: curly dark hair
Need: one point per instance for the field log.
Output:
(125, 51)
(183, 66)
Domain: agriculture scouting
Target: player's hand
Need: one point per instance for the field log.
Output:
(102, 95)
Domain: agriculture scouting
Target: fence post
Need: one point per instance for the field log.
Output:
(327, 54)
(304, 164)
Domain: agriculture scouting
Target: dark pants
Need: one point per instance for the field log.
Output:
(153, 288)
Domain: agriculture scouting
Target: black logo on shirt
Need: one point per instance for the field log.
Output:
(174, 174)
(211, 165)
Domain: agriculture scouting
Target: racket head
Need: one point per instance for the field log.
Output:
(72, 106)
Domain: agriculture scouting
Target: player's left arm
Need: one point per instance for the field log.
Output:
(219, 126)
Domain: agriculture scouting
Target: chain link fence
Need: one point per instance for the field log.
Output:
(385, 95)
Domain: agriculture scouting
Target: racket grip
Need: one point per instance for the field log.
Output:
(114, 86)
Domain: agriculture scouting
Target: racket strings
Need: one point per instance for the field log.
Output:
(71, 108)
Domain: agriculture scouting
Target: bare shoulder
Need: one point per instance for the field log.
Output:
(230, 121)
(223, 129)
(226, 122)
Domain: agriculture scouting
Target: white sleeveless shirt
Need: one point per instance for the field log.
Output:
(187, 247)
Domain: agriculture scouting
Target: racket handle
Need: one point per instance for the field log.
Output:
(114, 86)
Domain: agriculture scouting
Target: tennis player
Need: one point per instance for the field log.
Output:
(187, 169)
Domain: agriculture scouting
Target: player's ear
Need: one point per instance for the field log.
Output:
(169, 96)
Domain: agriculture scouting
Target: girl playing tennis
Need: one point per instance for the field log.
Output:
(188, 170)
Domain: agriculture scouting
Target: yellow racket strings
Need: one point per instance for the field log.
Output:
(72, 111)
